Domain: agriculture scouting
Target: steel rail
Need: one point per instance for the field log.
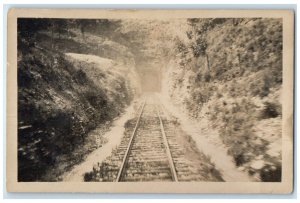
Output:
(125, 159)
(170, 158)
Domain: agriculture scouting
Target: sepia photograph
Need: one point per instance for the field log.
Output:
(198, 97)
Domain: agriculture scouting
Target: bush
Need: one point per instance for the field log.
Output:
(271, 110)
(207, 77)
(199, 47)
(88, 176)
(262, 84)
(201, 95)
(236, 127)
(80, 77)
(271, 173)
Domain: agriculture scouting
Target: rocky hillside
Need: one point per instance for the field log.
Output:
(69, 82)
(229, 71)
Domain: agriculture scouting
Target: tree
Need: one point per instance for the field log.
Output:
(60, 25)
(27, 28)
(85, 24)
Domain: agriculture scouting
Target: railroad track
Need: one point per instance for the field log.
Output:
(148, 156)
(154, 149)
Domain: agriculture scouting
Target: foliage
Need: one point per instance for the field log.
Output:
(231, 65)
(199, 48)
(271, 110)
(28, 28)
(271, 174)
(58, 104)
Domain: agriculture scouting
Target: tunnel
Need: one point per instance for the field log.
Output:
(150, 80)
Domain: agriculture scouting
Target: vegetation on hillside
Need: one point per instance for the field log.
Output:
(61, 100)
(231, 71)
(226, 70)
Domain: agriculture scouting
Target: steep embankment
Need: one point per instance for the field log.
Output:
(62, 96)
(228, 73)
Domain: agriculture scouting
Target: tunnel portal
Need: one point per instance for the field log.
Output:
(150, 80)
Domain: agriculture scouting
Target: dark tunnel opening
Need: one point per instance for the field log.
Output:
(150, 80)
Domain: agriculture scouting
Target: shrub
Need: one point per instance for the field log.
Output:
(262, 84)
(271, 110)
(88, 176)
(271, 173)
(207, 77)
(236, 127)
(199, 48)
(81, 77)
